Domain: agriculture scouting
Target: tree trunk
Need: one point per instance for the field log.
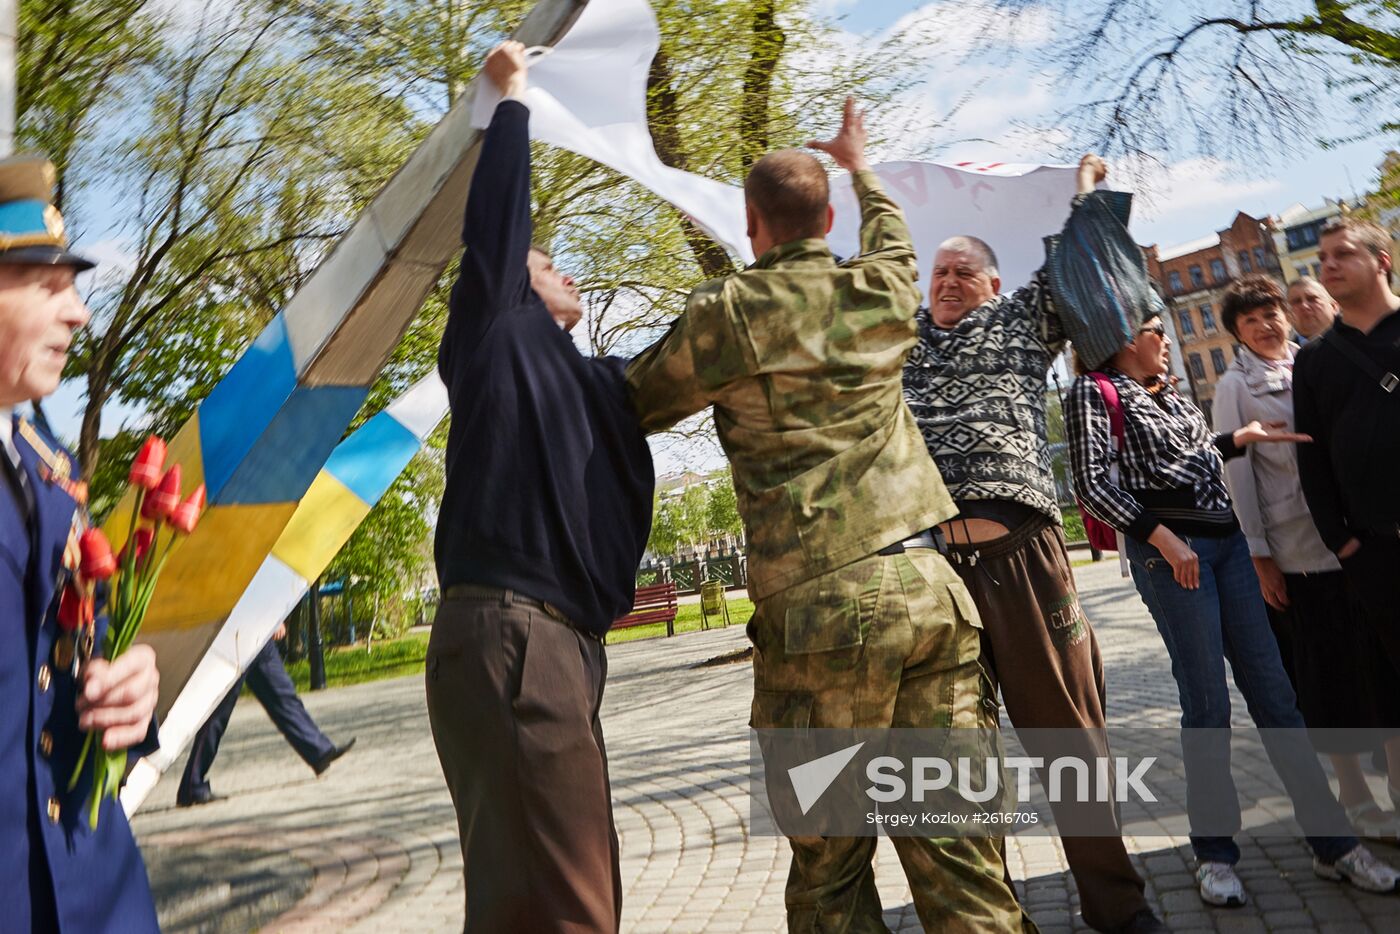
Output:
(768, 41)
(662, 115)
(90, 434)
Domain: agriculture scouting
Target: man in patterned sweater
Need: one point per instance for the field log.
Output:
(976, 385)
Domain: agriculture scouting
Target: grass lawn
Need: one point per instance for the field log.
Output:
(395, 658)
(351, 664)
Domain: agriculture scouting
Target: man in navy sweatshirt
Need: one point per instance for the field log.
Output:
(544, 519)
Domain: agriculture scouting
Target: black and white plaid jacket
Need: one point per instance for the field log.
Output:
(1171, 469)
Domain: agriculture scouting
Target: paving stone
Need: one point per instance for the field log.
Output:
(379, 834)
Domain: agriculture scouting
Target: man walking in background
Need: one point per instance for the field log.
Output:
(858, 619)
(273, 688)
(544, 519)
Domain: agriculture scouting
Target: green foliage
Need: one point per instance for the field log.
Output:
(701, 513)
(1074, 525)
(240, 148)
(352, 664)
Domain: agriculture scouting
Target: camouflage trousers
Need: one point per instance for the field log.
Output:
(886, 641)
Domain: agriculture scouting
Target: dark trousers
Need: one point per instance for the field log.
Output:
(1037, 644)
(1374, 575)
(273, 688)
(513, 699)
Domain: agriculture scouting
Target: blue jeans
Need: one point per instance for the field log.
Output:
(1225, 618)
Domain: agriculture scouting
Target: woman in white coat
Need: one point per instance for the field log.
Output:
(1341, 680)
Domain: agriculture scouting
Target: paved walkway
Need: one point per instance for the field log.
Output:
(372, 846)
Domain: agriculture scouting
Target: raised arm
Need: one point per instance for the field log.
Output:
(496, 231)
(882, 226)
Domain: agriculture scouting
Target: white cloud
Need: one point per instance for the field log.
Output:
(1198, 195)
(954, 28)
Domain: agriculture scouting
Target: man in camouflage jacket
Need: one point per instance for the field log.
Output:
(859, 622)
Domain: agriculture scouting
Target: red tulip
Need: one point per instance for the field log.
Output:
(145, 470)
(74, 610)
(97, 561)
(141, 541)
(161, 501)
(186, 515)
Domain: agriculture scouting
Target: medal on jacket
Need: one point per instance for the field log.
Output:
(56, 467)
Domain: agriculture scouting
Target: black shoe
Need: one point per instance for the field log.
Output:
(325, 761)
(1144, 922)
(203, 795)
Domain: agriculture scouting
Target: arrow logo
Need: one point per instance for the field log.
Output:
(811, 779)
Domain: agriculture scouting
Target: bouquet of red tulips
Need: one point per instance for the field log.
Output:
(131, 580)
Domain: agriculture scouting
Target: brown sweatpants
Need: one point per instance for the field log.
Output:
(1038, 645)
(513, 698)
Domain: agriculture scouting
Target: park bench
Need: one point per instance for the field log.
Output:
(654, 604)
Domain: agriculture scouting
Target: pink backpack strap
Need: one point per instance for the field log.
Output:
(1115, 409)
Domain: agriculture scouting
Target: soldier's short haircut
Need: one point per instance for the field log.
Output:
(1246, 294)
(966, 243)
(789, 191)
(1372, 236)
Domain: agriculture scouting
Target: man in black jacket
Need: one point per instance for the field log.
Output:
(1346, 395)
(544, 519)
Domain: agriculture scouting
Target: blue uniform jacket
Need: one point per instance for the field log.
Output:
(55, 873)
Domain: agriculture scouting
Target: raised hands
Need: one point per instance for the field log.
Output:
(847, 147)
(1092, 170)
(505, 66)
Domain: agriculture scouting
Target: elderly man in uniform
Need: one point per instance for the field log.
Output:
(55, 872)
(976, 385)
(859, 621)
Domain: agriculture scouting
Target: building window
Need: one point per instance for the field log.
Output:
(1174, 280)
(1198, 368)
(1259, 259)
(1302, 271)
(1197, 279)
(1317, 271)
(1244, 262)
(1217, 361)
(1208, 319)
(1206, 408)
(1300, 238)
(1217, 270)
(1188, 324)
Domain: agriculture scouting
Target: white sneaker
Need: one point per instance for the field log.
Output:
(1361, 868)
(1219, 885)
(1372, 823)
